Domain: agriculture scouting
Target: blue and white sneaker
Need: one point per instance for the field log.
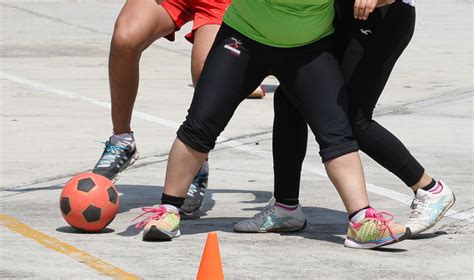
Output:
(195, 197)
(115, 158)
(429, 207)
(274, 219)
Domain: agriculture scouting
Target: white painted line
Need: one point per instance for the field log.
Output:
(403, 198)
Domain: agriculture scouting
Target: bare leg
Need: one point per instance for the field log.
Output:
(139, 24)
(347, 175)
(183, 164)
(203, 40)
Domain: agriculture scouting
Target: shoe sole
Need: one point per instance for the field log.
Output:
(439, 218)
(154, 234)
(127, 164)
(294, 229)
(354, 245)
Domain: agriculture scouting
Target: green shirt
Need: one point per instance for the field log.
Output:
(282, 23)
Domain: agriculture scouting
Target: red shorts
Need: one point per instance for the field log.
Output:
(201, 12)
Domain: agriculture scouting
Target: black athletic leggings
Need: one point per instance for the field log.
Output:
(368, 51)
(236, 65)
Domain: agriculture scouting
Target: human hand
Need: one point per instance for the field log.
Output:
(362, 8)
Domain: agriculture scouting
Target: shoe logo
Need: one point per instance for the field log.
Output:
(272, 222)
(437, 209)
(234, 46)
(366, 31)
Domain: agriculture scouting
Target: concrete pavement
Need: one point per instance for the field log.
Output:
(54, 110)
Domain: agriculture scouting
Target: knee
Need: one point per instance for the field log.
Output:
(197, 135)
(360, 125)
(125, 41)
(336, 140)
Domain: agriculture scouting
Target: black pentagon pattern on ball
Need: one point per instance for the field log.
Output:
(92, 213)
(85, 184)
(112, 195)
(65, 206)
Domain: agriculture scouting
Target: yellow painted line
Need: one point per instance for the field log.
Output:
(64, 248)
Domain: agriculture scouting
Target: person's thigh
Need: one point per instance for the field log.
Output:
(232, 70)
(141, 22)
(314, 83)
(207, 20)
(392, 31)
(204, 37)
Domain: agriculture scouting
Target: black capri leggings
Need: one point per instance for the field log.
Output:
(368, 51)
(236, 65)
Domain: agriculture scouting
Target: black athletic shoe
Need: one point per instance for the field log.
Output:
(115, 159)
(194, 199)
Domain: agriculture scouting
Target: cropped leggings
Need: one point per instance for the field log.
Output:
(236, 65)
(368, 51)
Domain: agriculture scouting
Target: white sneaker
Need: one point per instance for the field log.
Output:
(429, 207)
(273, 219)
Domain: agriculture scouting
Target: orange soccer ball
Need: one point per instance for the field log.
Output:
(89, 202)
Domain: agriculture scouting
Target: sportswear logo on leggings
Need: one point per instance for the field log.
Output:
(234, 46)
(366, 31)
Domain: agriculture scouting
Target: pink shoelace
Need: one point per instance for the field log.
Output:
(379, 216)
(156, 214)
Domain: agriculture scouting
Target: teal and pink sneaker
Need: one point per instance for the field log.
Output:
(162, 223)
(374, 231)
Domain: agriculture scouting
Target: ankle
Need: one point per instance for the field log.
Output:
(123, 137)
(424, 181)
(426, 187)
(359, 215)
(117, 131)
(286, 206)
(172, 200)
(290, 202)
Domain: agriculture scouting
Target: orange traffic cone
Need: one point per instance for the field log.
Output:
(211, 265)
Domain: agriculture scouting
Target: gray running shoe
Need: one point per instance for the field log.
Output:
(273, 219)
(194, 199)
(115, 159)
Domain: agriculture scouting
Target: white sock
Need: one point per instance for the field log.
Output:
(127, 138)
(357, 218)
(171, 207)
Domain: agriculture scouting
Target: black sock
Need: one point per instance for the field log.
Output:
(286, 201)
(172, 200)
(430, 185)
(354, 213)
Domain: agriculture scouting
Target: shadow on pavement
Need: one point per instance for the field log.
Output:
(138, 196)
(390, 250)
(427, 235)
(68, 229)
(323, 224)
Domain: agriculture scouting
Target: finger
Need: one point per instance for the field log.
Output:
(356, 8)
(364, 9)
(366, 13)
(373, 4)
(369, 8)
